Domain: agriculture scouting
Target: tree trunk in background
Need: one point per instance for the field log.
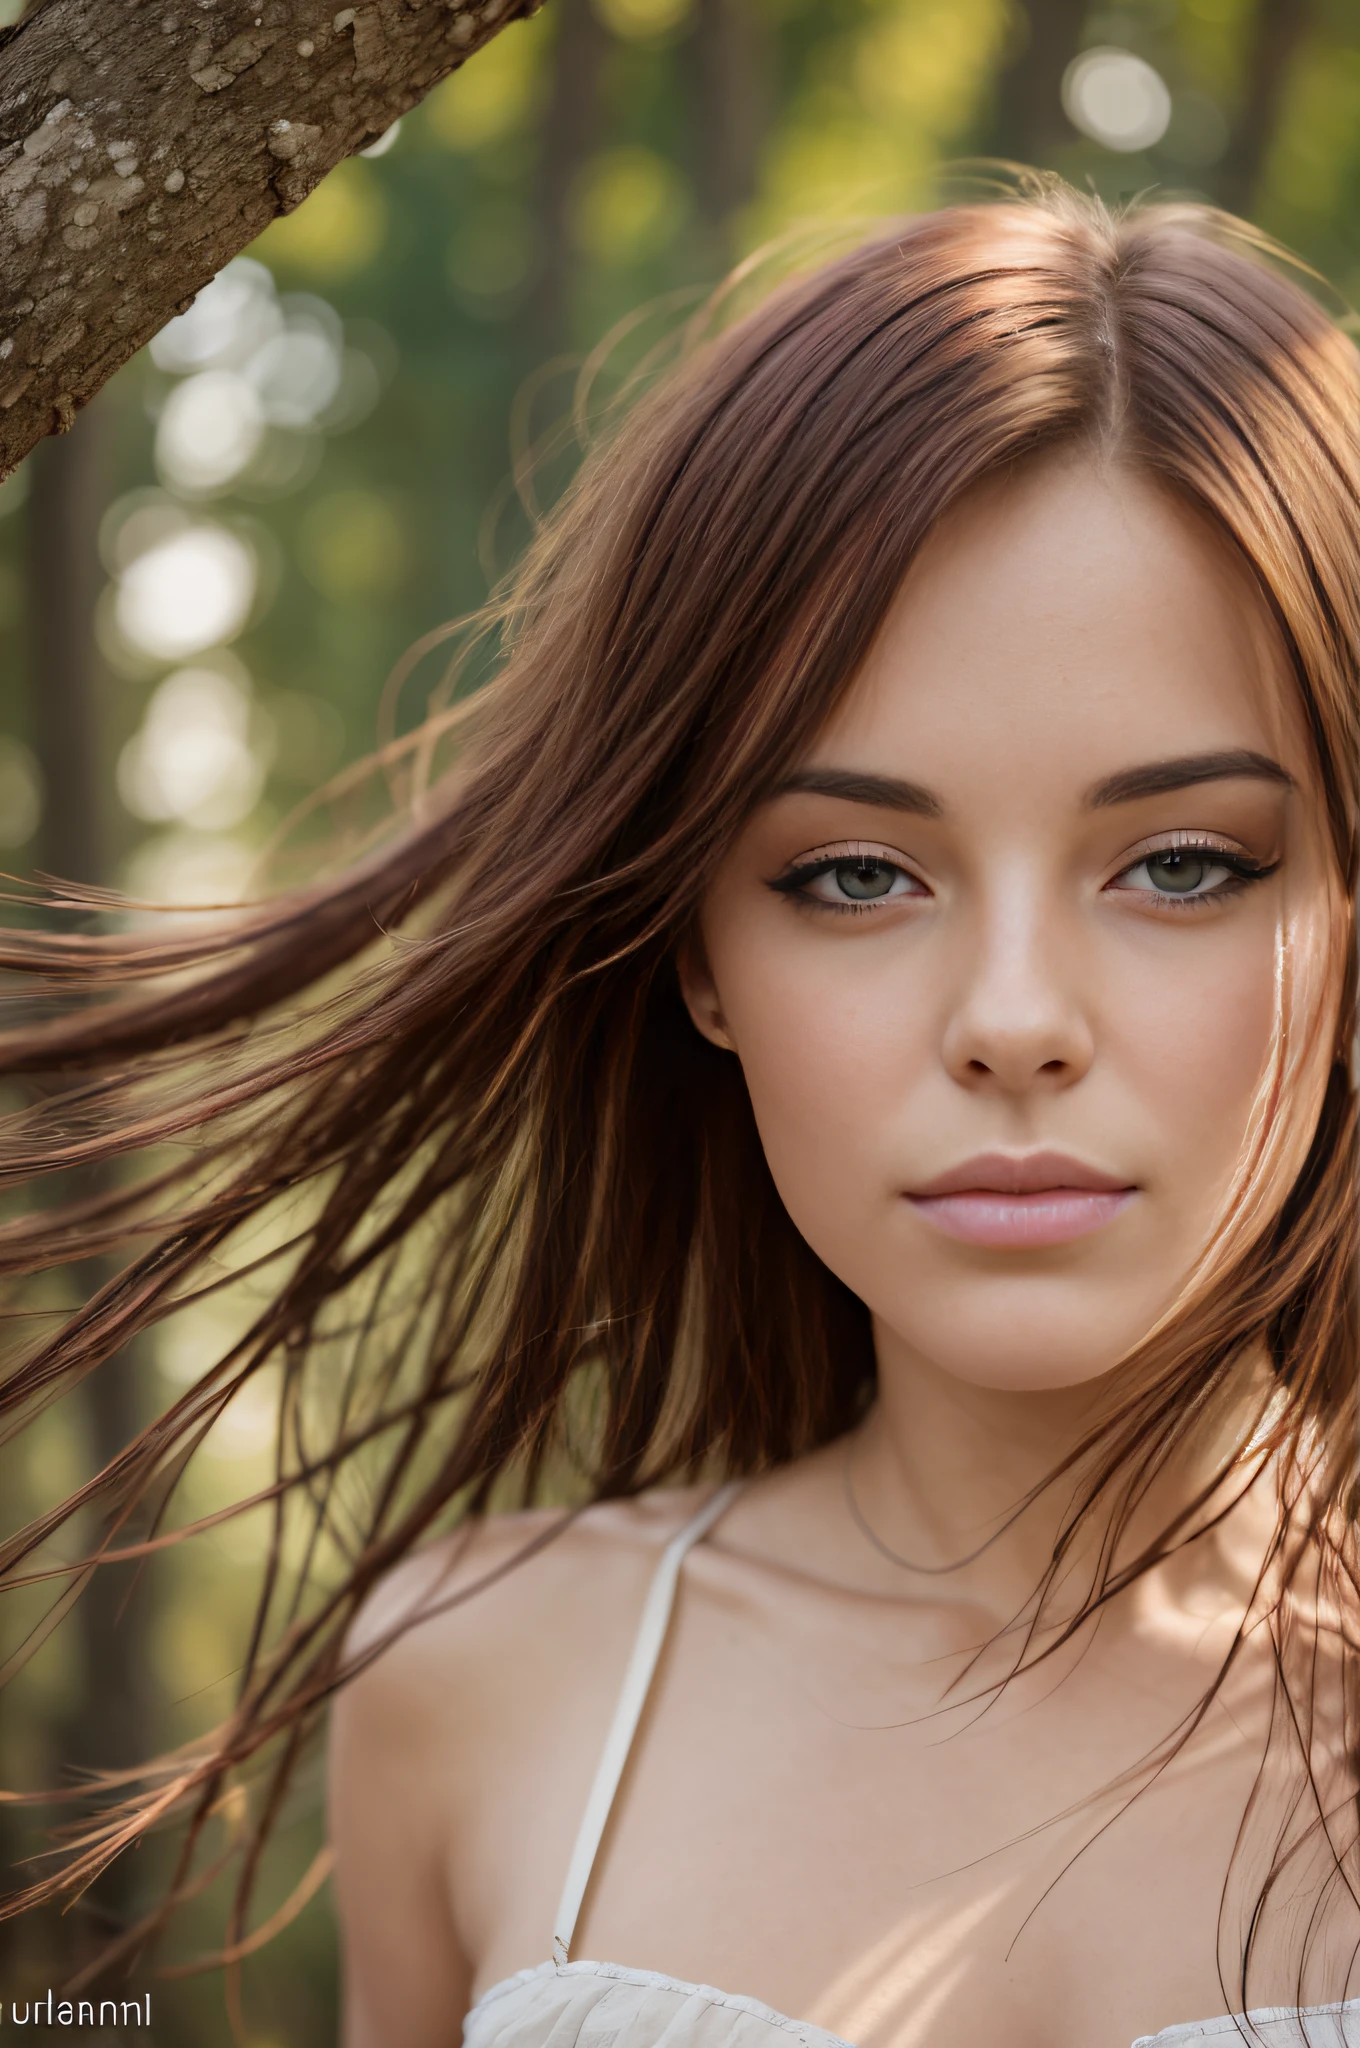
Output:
(1028, 124)
(66, 499)
(143, 144)
(570, 134)
(1281, 26)
(110, 1723)
(731, 113)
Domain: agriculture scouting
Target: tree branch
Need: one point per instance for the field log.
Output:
(1279, 29)
(144, 142)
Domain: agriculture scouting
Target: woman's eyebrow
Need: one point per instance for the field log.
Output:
(1156, 777)
(857, 786)
(1153, 778)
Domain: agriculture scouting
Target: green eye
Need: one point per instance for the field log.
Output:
(1191, 872)
(849, 881)
(864, 880)
(1177, 873)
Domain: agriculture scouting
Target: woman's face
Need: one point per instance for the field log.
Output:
(999, 961)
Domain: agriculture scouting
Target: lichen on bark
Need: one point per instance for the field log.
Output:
(144, 142)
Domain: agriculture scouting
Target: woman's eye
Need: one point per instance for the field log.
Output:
(1187, 871)
(851, 881)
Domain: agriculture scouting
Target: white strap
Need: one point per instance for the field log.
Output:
(651, 1634)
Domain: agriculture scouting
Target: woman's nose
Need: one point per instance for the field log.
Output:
(1019, 1023)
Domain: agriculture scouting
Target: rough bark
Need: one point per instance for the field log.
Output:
(144, 142)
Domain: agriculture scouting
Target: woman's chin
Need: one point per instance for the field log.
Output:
(1014, 1351)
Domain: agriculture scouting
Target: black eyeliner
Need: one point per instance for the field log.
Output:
(794, 879)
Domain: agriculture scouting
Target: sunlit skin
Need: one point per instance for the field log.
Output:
(999, 968)
(1039, 975)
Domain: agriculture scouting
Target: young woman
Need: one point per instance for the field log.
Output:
(861, 1109)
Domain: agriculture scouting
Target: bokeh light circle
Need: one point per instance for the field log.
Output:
(1116, 98)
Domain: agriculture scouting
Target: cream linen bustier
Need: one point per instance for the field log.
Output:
(561, 2004)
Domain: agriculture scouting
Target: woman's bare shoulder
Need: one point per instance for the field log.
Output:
(480, 1676)
(486, 1606)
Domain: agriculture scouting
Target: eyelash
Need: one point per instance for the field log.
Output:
(1242, 871)
(794, 881)
(1241, 867)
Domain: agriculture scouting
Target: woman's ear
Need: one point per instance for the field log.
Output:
(700, 992)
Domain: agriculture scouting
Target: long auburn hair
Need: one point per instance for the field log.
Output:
(525, 1242)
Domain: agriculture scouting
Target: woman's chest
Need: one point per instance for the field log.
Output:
(955, 1889)
(848, 1853)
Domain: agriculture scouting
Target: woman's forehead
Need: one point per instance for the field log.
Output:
(1062, 622)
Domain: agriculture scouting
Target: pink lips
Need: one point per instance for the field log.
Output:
(1042, 1198)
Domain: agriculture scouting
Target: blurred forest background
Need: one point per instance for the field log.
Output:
(204, 586)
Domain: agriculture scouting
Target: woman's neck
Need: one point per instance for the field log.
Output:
(942, 1472)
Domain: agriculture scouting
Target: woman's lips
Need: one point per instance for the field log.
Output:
(1019, 1203)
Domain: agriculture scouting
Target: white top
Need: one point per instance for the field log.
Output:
(561, 2004)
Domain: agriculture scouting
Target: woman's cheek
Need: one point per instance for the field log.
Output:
(1190, 1040)
(840, 1039)
(829, 1059)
